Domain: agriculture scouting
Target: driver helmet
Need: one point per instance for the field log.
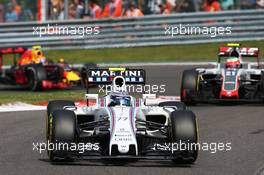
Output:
(61, 61)
(232, 62)
(125, 101)
(117, 100)
(37, 55)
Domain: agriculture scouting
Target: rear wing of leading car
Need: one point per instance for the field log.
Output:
(106, 76)
(17, 50)
(12, 50)
(243, 51)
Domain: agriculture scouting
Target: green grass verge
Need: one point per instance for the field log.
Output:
(191, 52)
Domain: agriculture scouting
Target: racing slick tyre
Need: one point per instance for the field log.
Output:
(36, 74)
(185, 135)
(189, 86)
(58, 104)
(262, 82)
(179, 105)
(53, 106)
(84, 72)
(62, 134)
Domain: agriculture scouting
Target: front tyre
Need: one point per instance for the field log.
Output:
(184, 132)
(58, 104)
(53, 106)
(189, 86)
(62, 134)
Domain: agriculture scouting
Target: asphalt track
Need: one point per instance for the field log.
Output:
(242, 125)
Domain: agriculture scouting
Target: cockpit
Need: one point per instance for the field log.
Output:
(116, 100)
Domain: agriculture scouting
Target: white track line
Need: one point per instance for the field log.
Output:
(156, 64)
(19, 106)
(141, 64)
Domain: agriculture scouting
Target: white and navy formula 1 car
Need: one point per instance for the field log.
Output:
(233, 78)
(120, 126)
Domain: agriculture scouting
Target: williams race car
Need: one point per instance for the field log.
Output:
(119, 126)
(231, 79)
(33, 71)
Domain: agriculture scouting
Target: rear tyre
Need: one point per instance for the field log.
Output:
(261, 88)
(62, 131)
(189, 86)
(184, 132)
(179, 105)
(84, 72)
(36, 74)
(262, 82)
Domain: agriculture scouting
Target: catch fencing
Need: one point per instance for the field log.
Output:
(142, 31)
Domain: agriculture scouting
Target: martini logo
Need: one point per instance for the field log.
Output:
(106, 76)
(107, 73)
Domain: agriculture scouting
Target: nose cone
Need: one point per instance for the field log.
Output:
(229, 94)
(123, 149)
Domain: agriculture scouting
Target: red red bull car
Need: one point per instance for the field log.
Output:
(231, 79)
(31, 70)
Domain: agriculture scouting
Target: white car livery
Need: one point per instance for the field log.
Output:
(120, 125)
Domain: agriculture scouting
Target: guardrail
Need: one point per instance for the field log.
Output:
(141, 31)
